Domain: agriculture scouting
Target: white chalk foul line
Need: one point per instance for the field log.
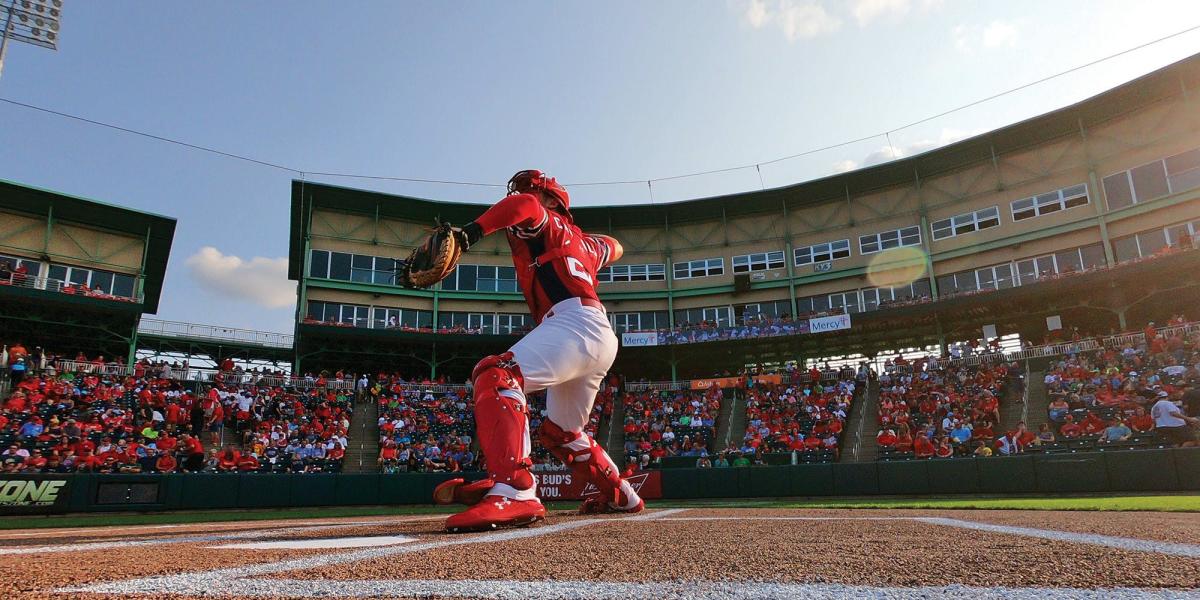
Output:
(690, 590)
(230, 581)
(216, 537)
(1123, 543)
(338, 543)
(90, 532)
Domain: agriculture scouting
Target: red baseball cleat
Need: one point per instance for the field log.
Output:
(459, 491)
(595, 506)
(496, 512)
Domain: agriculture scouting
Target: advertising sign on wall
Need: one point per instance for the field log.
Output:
(648, 338)
(564, 485)
(30, 494)
(732, 382)
(824, 324)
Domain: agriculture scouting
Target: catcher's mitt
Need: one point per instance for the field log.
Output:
(433, 260)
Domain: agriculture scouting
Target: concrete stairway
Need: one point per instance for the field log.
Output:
(731, 421)
(858, 439)
(1037, 401)
(363, 452)
(1012, 409)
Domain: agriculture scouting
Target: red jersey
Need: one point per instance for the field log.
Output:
(555, 260)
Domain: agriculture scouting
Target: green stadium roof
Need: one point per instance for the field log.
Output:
(159, 231)
(1165, 83)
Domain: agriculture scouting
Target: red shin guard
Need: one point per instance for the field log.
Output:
(586, 459)
(501, 421)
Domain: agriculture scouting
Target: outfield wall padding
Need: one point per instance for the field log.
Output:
(1165, 470)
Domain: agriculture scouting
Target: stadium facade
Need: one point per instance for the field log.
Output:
(76, 273)
(1078, 191)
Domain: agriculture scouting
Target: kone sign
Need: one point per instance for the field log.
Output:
(31, 495)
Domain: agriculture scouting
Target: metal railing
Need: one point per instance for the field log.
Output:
(642, 386)
(203, 375)
(1061, 349)
(215, 332)
(64, 287)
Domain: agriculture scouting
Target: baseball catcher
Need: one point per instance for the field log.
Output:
(567, 354)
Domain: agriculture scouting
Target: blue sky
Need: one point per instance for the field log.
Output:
(477, 90)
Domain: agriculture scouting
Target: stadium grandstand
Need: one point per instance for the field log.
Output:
(966, 301)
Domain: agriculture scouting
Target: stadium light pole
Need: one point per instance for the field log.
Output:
(34, 22)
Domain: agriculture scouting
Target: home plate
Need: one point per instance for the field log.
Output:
(314, 544)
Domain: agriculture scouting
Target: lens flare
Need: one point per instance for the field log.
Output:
(896, 267)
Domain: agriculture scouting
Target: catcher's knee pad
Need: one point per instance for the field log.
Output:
(502, 422)
(586, 459)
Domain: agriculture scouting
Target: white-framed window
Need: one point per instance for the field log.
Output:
(510, 323)
(1147, 243)
(966, 223)
(761, 261)
(624, 273)
(704, 267)
(819, 253)
(1035, 268)
(996, 277)
(1170, 175)
(359, 268)
(1050, 202)
(623, 322)
(58, 276)
(847, 301)
(482, 278)
(886, 240)
(721, 315)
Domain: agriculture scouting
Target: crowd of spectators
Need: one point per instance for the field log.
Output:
(1137, 393)
(424, 426)
(663, 423)
(602, 408)
(930, 408)
(84, 415)
(806, 416)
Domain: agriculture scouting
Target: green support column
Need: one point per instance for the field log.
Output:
(302, 299)
(433, 363)
(1100, 220)
(133, 342)
(1101, 199)
(789, 259)
(436, 294)
(926, 234)
(50, 231)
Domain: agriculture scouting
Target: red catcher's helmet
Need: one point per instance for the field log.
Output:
(533, 179)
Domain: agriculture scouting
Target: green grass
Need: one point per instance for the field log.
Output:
(1162, 503)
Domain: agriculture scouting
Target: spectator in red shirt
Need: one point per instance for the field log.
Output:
(165, 463)
(1070, 429)
(922, 447)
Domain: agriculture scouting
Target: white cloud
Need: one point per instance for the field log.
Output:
(1000, 33)
(260, 280)
(866, 11)
(797, 19)
(997, 34)
(756, 13)
(843, 166)
(893, 152)
(882, 155)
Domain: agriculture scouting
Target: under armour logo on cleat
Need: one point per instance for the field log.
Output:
(503, 504)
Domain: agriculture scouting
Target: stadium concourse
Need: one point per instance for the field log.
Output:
(662, 553)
